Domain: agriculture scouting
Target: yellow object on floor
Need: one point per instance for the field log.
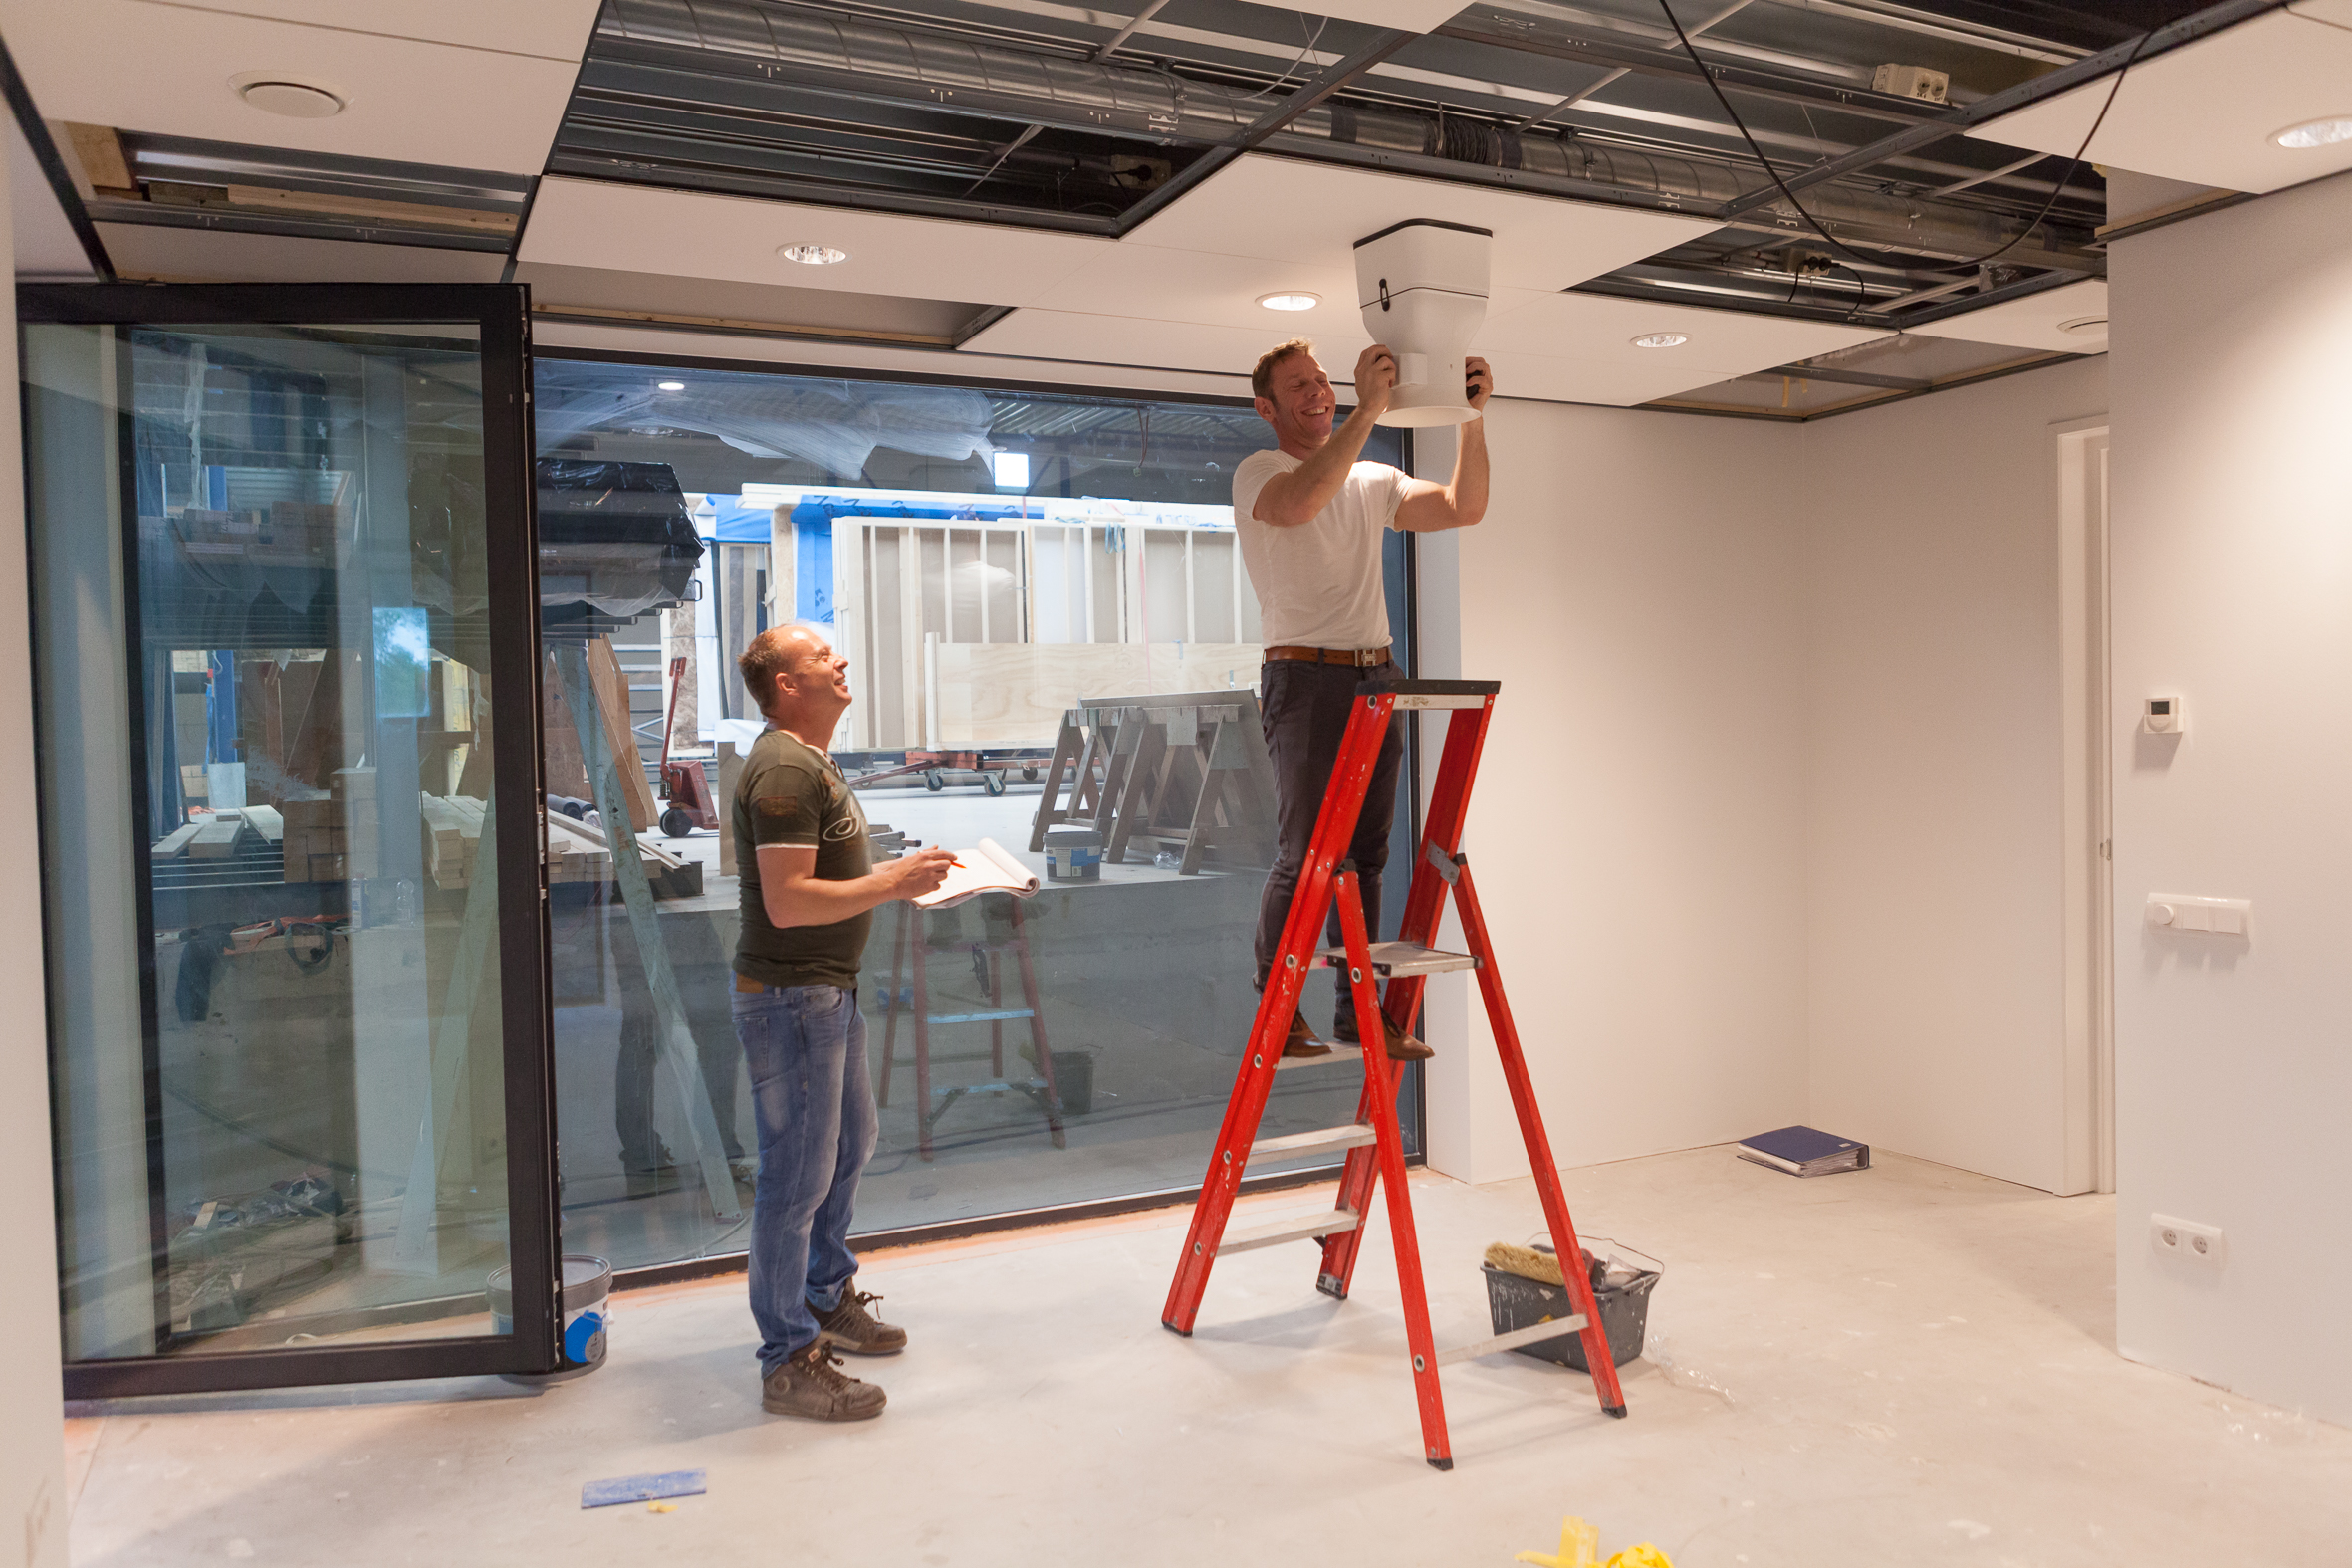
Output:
(661, 1507)
(1579, 1543)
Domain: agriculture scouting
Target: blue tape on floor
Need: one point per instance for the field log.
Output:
(643, 1488)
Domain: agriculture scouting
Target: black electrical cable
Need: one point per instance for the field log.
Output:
(1740, 125)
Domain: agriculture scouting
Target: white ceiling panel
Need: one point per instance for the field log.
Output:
(1311, 214)
(165, 69)
(2206, 112)
(1148, 345)
(637, 228)
(1542, 378)
(2036, 320)
(46, 245)
(2336, 13)
(1598, 330)
(1414, 16)
(1222, 291)
(551, 29)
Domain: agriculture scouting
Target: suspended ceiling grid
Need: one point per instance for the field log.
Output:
(1125, 179)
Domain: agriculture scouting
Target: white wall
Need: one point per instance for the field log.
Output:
(1637, 827)
(1934, 807)
(2232, 589)
(31, 1428)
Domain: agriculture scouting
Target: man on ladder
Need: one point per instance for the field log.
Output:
(1309, 517)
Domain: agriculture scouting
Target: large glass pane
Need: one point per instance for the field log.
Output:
(263, 613)
(996, 565)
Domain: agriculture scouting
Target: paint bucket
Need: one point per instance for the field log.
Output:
(1073, 1080)
(1515, 1301)
(1073, 854)
(587, 1308)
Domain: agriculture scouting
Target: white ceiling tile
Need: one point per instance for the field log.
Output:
(165, 69)
(693, 234)
(1414, 16)
(551, 29)
(1543, 378)
(46, 245)
(2034, 322)
(2206, 112)
(1598, 330)
(1194, 286)
(148, 250)
(1284, 209)
(1130, 341)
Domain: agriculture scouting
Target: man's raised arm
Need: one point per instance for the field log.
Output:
(1461, 501)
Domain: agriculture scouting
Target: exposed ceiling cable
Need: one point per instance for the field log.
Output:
(1789, 196)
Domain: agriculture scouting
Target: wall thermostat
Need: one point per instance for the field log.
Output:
(2164, 716)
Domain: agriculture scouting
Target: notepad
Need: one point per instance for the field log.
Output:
(1805, 1151)
(990, 868)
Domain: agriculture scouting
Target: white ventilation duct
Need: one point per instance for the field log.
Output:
(1422, 288)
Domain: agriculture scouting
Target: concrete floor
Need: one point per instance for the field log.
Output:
(1910, 1365)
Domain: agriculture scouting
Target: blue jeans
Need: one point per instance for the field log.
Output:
(814, 1100)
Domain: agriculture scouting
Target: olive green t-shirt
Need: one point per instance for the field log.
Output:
(793, 793)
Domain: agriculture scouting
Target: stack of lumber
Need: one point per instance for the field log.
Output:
(579, 852)
(452, 837)
(332, 839)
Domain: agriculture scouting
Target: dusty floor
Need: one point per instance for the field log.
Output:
(1911, 1365)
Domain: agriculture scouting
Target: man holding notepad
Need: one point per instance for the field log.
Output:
(1310, 516)
(809, 889)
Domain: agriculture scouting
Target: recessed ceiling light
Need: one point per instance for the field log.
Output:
(1290, 301)
(2085, 326)
(810, 254)
(671, 387)
(2316, 133)
(294, 100)
(1660, 340)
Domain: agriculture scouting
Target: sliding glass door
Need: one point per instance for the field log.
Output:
(286, 645)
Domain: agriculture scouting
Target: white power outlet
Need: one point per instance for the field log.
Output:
(2185, 1238)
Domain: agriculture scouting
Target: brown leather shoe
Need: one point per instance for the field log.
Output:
(1302, 1041)
(851, 1328)
(1403, 1047)
(812, 1384)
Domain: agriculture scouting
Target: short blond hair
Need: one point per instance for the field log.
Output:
(1262, 373)
(769, 654)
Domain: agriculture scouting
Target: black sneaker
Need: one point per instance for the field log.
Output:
(812, 1383)
(851, 1328)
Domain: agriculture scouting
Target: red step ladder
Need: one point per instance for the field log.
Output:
(1376, 1147)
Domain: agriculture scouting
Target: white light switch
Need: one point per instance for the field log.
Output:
(2181, 912)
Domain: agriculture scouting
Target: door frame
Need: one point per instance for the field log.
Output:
(501, 314)
(2088, 877)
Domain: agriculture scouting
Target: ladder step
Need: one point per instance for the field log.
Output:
(1353, 1136)
(1533, 1334)
(1337, 1053)
(1005, 1017)
(1308, 1227)
(1402, 957)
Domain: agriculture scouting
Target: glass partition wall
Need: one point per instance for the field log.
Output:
(1049, 626)
(288, 818)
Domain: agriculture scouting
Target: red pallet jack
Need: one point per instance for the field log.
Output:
(683, 784)
(1375, 1148)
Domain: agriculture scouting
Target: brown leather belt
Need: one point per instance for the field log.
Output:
(1359, 657)
(746, 983)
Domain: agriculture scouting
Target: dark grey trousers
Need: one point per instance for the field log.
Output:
(1305, 707)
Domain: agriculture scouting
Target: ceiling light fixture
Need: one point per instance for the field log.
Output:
(2316, 133)
(810, 254)
(2085, 326)
(1291, 301)
(1660, 340)
(671, 387)
(294, 100)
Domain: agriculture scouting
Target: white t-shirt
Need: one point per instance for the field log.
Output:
(1319, 583)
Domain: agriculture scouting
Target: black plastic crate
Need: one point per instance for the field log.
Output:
(1520, 1302)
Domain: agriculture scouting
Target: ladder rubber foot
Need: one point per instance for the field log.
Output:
(1187, 1333)
(1617, 1410)
(1332, 1286)
(1441, 1464)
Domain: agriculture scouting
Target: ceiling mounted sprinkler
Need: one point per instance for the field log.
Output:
(1422, 288)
